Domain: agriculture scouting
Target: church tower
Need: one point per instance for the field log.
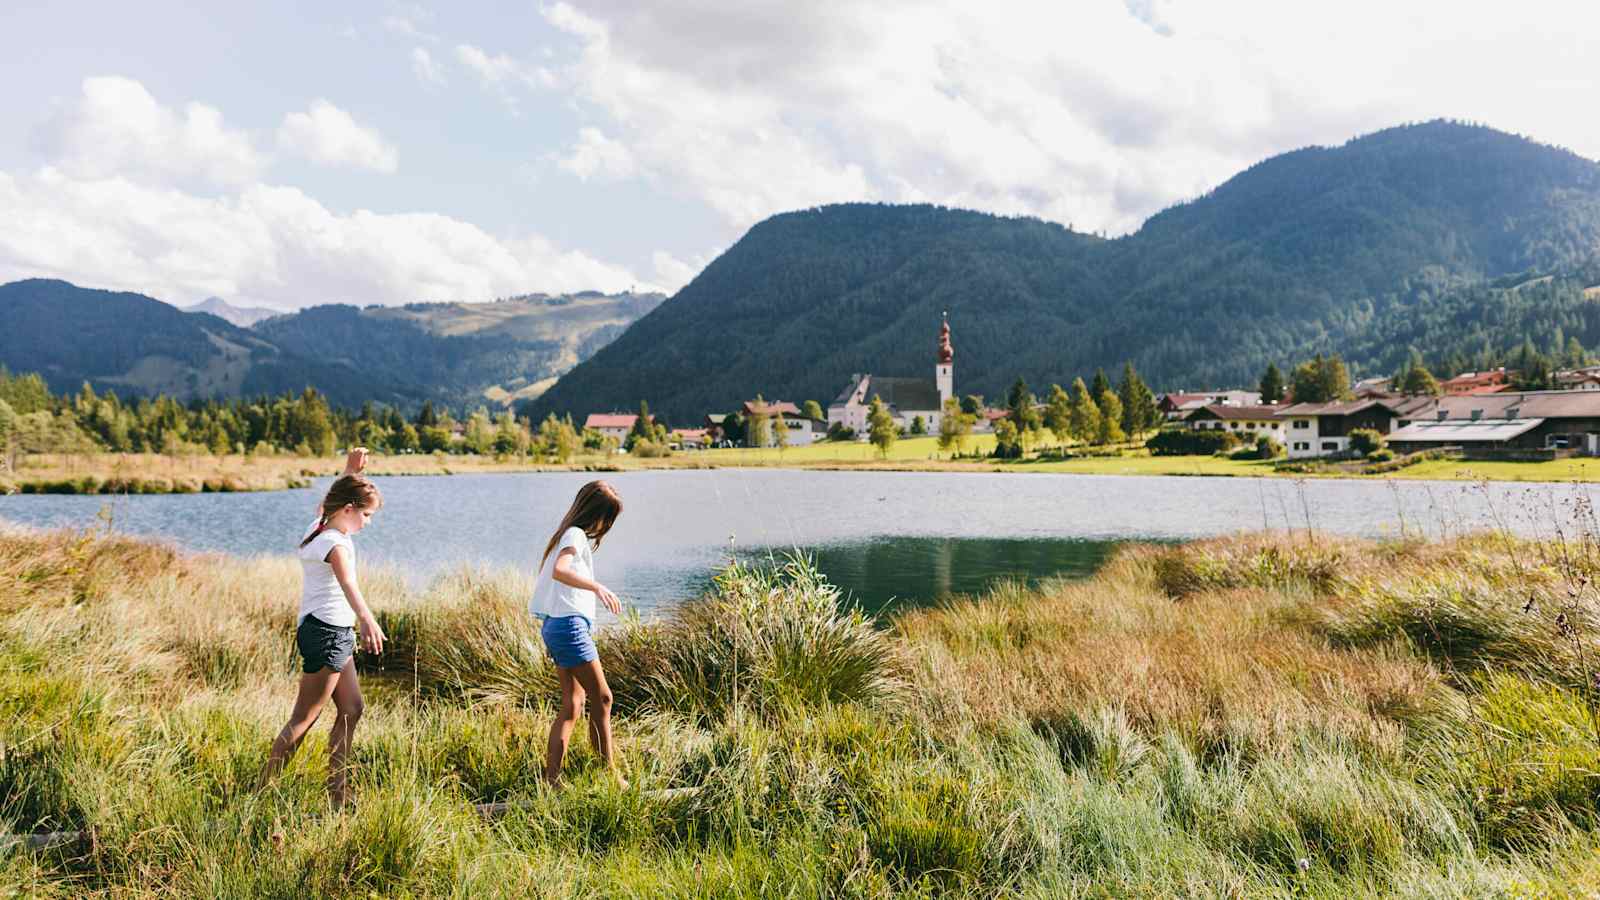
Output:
(944, 373)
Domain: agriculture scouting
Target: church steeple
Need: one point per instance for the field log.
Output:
(944, 372)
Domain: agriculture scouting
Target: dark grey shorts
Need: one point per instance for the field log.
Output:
(324, 646)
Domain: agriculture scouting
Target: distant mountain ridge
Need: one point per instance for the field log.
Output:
(458, 354)
(242, 316)
(1301, 253)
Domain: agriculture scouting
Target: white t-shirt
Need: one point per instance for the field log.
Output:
(320, 594)
(553, 600)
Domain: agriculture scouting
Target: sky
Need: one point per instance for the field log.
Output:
(291, 154)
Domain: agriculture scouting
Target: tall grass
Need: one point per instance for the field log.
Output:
(1257, 716)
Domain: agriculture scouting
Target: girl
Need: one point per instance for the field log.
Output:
(563, 597)
(330, 606)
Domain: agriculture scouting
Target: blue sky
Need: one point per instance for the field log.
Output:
(378, 152)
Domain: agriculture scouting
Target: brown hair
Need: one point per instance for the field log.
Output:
(350, 490)
(595, 510)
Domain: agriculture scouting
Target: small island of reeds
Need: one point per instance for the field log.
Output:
(1264, 715)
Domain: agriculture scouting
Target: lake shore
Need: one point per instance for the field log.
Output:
(132, 473)
(1259, 715)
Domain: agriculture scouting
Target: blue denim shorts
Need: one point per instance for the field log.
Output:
(569, 641)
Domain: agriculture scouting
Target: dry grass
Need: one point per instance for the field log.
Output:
(1257, 716)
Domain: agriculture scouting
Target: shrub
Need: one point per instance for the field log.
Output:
(645, 449)
(1183, 442)
(1366, 440)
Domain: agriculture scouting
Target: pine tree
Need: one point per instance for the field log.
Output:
(1100, 384)
(1085, 416)
(1271, 384)
(1138, 403)
(1058, 413)
(1110, 419)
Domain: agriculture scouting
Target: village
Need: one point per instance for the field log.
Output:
(1479, 415)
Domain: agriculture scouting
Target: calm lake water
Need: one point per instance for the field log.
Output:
(907, 537)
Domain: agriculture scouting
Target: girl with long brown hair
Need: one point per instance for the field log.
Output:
(331, 605)
(564, 598)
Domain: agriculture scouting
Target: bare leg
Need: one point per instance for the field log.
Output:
(561, 728)
(349, 705)
(315, 689)
(592, 679)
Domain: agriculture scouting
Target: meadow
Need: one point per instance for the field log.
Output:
(151, 473)
(1263, 715)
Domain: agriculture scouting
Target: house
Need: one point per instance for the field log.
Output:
(1374, 388)
(1490, 382)
(906, 398)
(801, 429)
(1177, 406)
(987, 418)
(1247, 422)
(713, 427)
(1321, 429)
(612, 425)
(1585, 379)
(1506, 422)
(689, 439)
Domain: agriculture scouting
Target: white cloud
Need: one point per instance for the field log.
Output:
(270, 245)
(503, 74)
(115, 127)
(328, 135)
(1096, 113)
(673, 273)
(404, 26)
(597, 156)
(428, 71)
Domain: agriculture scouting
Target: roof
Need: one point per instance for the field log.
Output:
(1223, 411)
(1335, 408)
(716, 418)
(771, 409)
(1516, 404)
(610, 420)
(689, 432)
(1456, 431)
(913, 394)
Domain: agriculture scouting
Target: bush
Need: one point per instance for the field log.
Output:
(644, 449)
(1366, 440)
(1183, 442)
(838, 431)
(1384, 455)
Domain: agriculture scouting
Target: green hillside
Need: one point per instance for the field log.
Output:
(1305, 252)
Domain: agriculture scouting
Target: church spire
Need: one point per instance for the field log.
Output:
(945, 353)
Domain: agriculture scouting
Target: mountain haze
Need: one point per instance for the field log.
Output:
(1304, 252)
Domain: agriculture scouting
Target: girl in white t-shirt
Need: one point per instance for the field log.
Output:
(331, 606)
(564, 597)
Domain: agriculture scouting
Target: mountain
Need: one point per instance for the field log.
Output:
(1305, 252)
(465, 353)
(135, 344)
(242, 316)
(458, 354)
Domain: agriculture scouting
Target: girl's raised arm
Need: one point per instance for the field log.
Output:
(372, 636)
(564, 573)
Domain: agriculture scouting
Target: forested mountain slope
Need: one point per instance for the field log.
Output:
(1308, 251)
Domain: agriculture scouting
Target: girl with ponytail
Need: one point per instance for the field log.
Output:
(331, 606)
(564, 597)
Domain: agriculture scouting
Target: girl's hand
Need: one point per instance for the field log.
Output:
(609, 599)
(356, 462)
(372, 636)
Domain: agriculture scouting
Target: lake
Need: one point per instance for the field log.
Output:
(905, 537)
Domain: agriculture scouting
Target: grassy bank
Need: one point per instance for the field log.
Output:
(132, 473)
(1256, 716)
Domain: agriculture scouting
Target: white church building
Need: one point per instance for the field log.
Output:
(906, 398)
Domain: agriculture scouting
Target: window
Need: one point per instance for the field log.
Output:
(1302, 423)
(1302, 445)
(1330, 445)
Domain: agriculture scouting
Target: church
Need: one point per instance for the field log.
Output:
(906, 398)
